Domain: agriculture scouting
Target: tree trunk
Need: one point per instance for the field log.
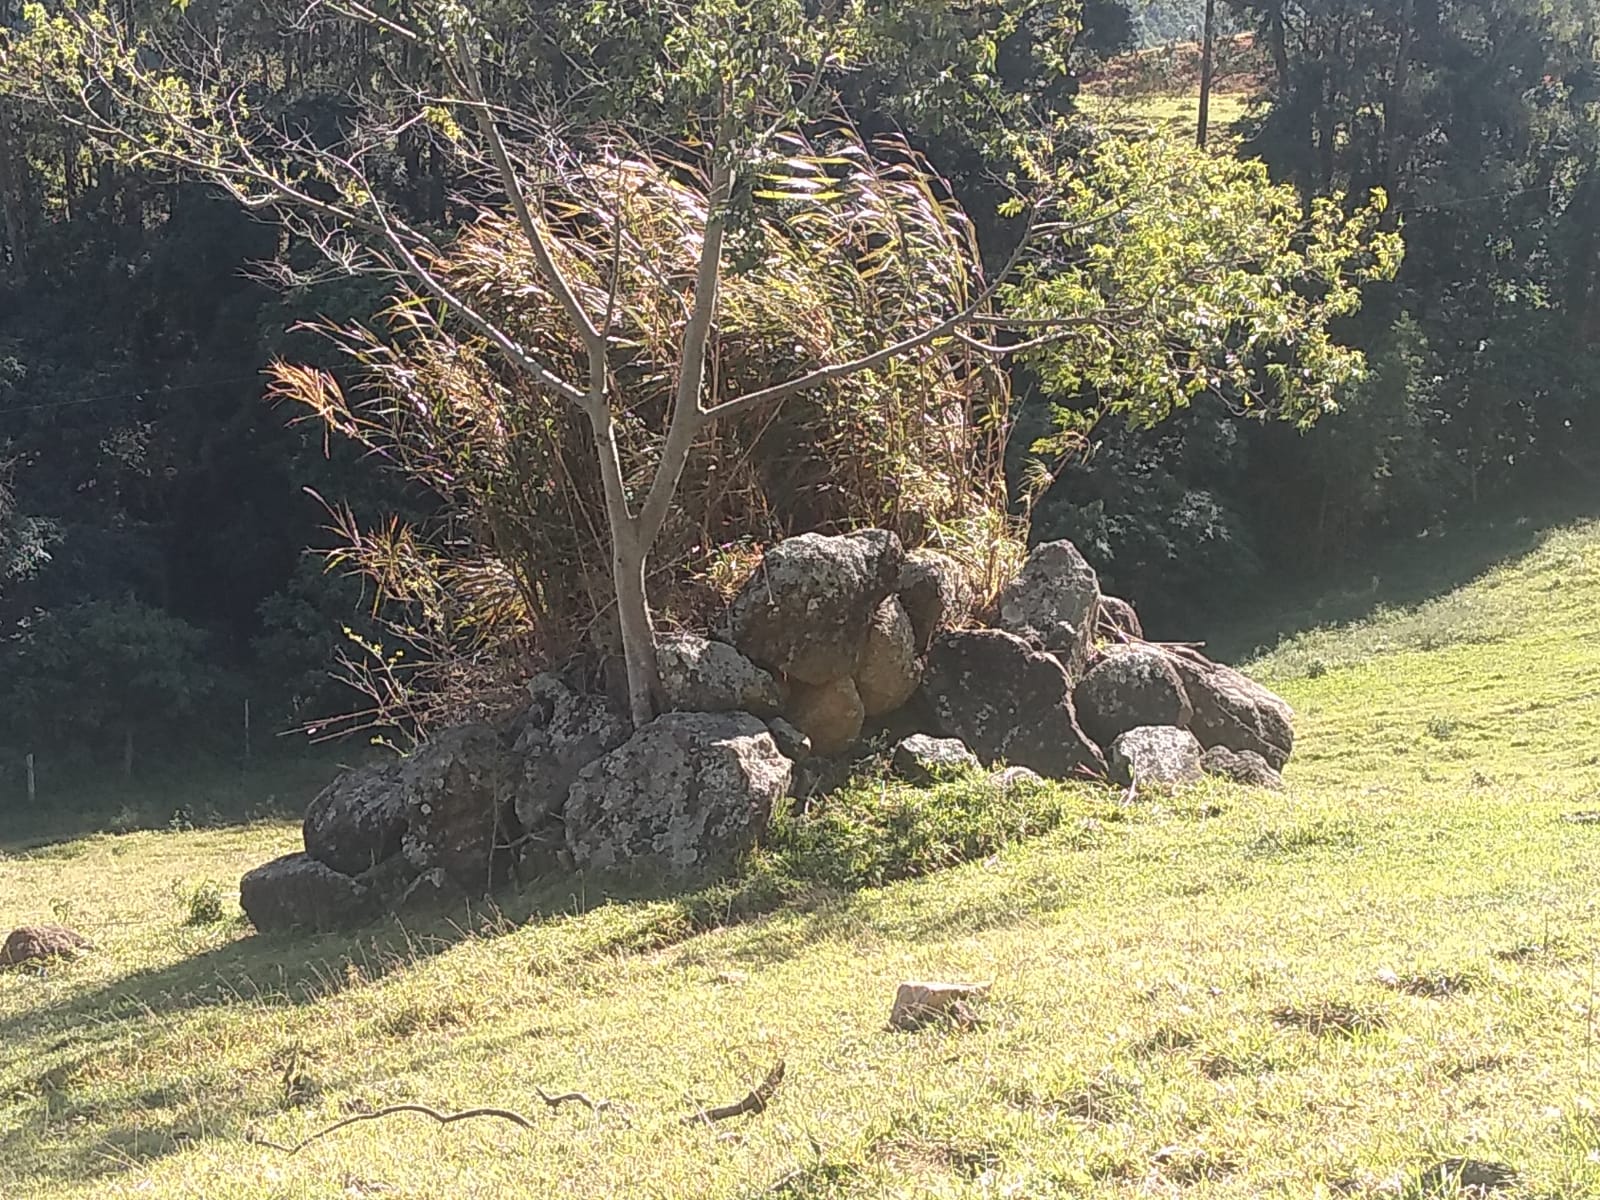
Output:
(638, 630)
(1208, 43)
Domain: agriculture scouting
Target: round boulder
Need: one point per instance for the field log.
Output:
(356, 822)
(1008, 702)
(1233, 710)
(699, 675)
(684, 796)
(298, 892)
(831, 715)
(1130, 686)
(1241, 766)
(562, 732)
(1119, 621)
(889, 671)
(805, 610)
(458, 804)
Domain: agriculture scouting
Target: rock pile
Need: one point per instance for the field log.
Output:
(830, 634)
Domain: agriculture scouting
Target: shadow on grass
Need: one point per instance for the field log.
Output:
(1403, 575)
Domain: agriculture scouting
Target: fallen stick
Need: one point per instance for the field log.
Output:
(755, 1102)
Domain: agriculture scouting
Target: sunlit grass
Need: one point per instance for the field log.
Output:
(1231, 994)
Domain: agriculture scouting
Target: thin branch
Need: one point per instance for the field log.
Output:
(444, 1118)
(756, 1101)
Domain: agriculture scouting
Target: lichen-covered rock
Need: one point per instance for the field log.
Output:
(684, 796)
(1008, 702)
(1241, 766)
(357, 821)
(1233, 710)
(804, 611)
(1159, 755)
(922, 758)
(458, 787)
(561, 733)
(889, 671)
(298, 892)
(934, 592)
(32, 943)
(699, 675)
(792, 742)
(1055, 603)
(1118, 620)
(1128, 687)
(831, 715)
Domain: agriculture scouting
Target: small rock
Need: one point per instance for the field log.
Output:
(922, 758)
(1054, 602)
(915, 1004)
(934, 593)
(1130, 686)
(1011, 777)
(298, 892)
(804, 612)
(699, 675)
(1162, 755)
(889, 672)
(1241, 766)
(31, 943)
(830, 715)
(792, 743)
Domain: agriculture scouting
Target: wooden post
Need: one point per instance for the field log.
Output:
(1207, 49)
(33, 787)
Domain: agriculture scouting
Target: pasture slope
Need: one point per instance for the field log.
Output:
(1335, 991)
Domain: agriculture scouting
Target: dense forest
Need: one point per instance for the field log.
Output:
(155, 507)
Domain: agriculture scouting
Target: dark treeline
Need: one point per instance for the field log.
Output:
(154, 508)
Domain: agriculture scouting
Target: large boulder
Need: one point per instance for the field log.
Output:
(683, 797)
(1054, 602)
(458, 787)
(934, 592)
(1233, 710)
(356, 822)
(830, 715)
(804, 612)
(1127, 687)
(562, 732)
(1008, 702)
(889, 671)
(298, 892)
(33, 943)
(1241, 766)
(1163, 755)
(699, 675)
(922, 758)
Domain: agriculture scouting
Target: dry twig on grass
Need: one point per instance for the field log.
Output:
(755, 1102)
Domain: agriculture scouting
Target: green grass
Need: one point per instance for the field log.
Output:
(1324, 992)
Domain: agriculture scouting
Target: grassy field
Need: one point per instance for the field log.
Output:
(1325, 992)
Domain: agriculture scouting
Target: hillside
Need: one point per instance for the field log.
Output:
(1329, 991)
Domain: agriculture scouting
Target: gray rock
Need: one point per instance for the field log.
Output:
(1055, 603)
(1162, 755)
(683, 797)
(1012, 777)
(934, 592)
(792, 743)
(32, 943)
(922, 758)
(1008, 702)
(1241, 766)
(561, 733)
(804, 611)
(430, 891)
(830, 716)
(1119, 621)
(699, 675)
(458, 787)
(357, 821)
(388, 881)
(889, 671)
(1130, 686)
(298, 892)
(1233, 710)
